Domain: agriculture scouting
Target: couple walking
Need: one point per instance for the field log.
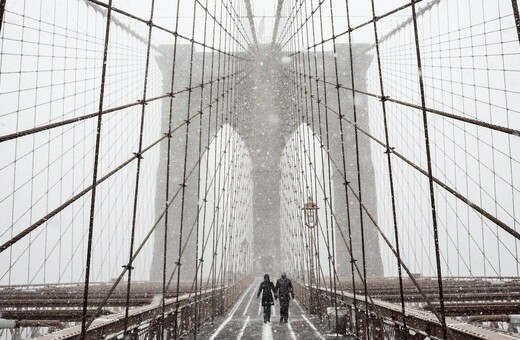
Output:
(283, 290)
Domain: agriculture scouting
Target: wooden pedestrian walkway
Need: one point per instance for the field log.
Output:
(245, 321)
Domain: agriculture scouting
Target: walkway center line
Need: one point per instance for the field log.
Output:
(310, 323)
(313, 328)
(250, 299)
(291, 331)
(230, 314)
(241, 334)
(267, 331)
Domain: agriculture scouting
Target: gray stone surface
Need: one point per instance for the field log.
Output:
(265, 124)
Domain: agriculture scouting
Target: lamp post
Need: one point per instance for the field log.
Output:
(310, 215)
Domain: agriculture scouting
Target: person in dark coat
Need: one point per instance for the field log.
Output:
(285, 292)
(266, 289)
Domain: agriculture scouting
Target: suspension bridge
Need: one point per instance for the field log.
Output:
(158, 157)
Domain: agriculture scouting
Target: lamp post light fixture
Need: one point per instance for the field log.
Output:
(310, 210)
(310, 216)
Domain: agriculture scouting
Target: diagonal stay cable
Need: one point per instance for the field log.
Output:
(251, 21)
(64, 205)
(164, 29)
(140, 247)
(387, 241)
(50, 126)
(442, 113)
(443, 185)
(277, 21)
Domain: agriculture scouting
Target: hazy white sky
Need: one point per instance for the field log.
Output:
(50, 67)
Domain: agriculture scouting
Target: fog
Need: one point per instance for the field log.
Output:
(51, 58)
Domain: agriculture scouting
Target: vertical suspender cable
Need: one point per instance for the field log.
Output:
(329, 199)
(514, 4)
(430, 173)
(388, 152)
(303, 115)
(218, 146)
(138, 168)
(184, 172)
(197, 222)
(168, 169)
(95, 173)
(2, 12)
(212, 273)
(342, 137)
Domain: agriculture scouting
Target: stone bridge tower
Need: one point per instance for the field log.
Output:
(263, 109)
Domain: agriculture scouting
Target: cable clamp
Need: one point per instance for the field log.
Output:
(170, 94)
(127, 266)
(142, 102)
(168, 134)
(384, 99)
(338, 85)
(178, 263)
(183, 185)
(138, 155)
(389, 150)
(353, 261)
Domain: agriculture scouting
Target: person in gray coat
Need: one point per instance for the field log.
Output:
(285, 292)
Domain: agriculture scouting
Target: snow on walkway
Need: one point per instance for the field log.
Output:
(245, 321)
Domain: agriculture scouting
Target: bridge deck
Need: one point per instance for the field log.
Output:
(245, 321)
